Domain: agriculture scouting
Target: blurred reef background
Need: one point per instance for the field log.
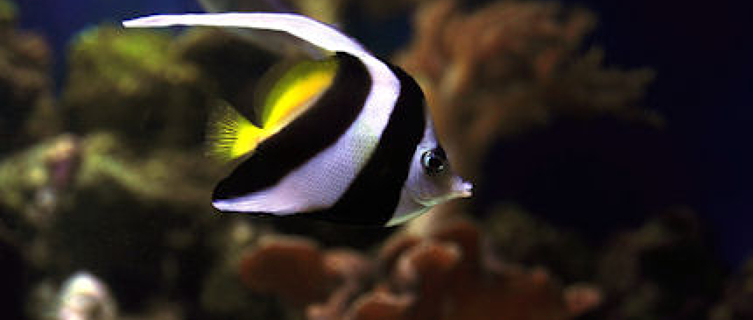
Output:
(609, 143)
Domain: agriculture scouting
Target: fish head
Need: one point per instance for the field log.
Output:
(431, 179)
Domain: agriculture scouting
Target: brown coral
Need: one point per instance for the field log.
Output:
(445, 275)
(298, 271)
(291, 268)
(380, 305)
(453, 272)
(665, 269)
(508, 67)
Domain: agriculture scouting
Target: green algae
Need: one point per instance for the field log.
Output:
(125, 57)
(176, 177)
(135, 84)
(8, 11)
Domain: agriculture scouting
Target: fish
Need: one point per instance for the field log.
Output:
(347, 138)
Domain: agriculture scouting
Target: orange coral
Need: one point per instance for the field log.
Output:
(445, 275)
(380, 305)
(452, 271)
(298, 271)
(291, 268)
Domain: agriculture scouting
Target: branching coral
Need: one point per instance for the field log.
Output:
(453, 272)
(508, 67)
(294, 269)
(447, 275)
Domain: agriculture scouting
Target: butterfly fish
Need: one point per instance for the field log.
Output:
(344, 136)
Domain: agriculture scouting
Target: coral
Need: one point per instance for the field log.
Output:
(224, 297)
(261, 270)
(223, 293)
(521, 237)
(509, 67)
(665, 269)
(296, 270)
(33, 181)
(416, 274)
(291, 269)
(582, 298)
(82, 200)
(377, 305)
(134, 83)
(8, 13)
(84, 297)
(738, 294)
(452, 270)
(25, 84)
(68, 163)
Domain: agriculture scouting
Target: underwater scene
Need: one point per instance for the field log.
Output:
(392, 159)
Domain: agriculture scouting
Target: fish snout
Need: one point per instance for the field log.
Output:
(461, 188)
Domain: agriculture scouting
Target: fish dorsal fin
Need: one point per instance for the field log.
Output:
(291, 90)
(230, 135)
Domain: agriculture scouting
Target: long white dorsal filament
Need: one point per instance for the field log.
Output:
(312, 31)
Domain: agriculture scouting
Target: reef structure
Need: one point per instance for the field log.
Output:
(445, 275)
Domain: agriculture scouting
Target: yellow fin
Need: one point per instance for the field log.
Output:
(230, 135)
(295, 89)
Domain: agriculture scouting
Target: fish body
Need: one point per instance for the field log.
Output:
(347, 138)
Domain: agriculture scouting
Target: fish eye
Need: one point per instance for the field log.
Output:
(434, 162)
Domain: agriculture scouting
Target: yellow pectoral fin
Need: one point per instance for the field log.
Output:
(294, 91)
(230, 135)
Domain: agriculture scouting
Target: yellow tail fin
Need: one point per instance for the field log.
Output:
(230, 135)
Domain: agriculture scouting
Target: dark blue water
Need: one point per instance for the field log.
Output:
(704, 88)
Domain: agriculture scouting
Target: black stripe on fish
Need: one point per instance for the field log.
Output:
(314, 130)
(373, 196)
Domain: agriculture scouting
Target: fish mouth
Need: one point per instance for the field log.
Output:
(461, 188)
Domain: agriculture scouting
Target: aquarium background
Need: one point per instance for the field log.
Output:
(609, 143)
